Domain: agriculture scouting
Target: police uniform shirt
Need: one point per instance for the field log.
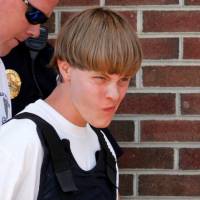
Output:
(18, 62)
(5, 104)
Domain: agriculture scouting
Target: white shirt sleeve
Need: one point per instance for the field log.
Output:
(5, 103)
(21, 157)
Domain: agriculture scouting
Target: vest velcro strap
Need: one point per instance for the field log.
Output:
(65, 179)
(111, 168)
(111, 175)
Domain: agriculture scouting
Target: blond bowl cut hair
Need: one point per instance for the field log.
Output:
(101, 40)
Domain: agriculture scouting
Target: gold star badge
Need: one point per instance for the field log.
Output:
(14, 82)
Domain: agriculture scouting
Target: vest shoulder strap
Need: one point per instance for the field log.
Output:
(56, 151)
(111, 166)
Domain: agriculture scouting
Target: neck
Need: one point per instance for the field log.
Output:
(60, 100)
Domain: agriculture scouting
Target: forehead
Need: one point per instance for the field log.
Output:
(46, 6)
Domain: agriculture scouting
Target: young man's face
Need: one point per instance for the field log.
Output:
(96, 96)
(14, 25)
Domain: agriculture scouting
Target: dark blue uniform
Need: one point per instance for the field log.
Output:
(31, 77)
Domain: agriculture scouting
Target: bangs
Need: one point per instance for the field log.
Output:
(103, 41)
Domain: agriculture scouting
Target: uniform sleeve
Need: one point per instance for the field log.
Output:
(20, 161)
(116, 147)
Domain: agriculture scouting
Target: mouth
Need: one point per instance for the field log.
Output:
(17, 40)
(110, 109)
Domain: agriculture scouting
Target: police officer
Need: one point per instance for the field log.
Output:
(28, 73)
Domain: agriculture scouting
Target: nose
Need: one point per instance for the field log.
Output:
(34, 31)
(113, 92)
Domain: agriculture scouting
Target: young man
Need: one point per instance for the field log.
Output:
(96, 54)
(19, 19)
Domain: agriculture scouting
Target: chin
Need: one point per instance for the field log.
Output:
(5, 50)
(4, 53)
(101, 124)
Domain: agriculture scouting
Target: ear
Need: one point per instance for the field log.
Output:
(64, 69)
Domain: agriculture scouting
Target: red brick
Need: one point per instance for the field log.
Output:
(190, 103)
(65, 16)
(52, 42)
(148, 104)
(171, 21)
(126, 184)
(171, 76)
(189, 159)
(159, 158)
(51, 24)
(141, 2)
(78, 2)
(178, 130)
(122, 130)
(192, 2)
(169, 185)
(191, 48)
(131, 17)
(132, 82)
(160, 48)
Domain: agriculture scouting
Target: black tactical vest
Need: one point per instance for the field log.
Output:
(62, 179)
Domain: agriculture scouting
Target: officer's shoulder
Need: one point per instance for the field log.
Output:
(47, 50)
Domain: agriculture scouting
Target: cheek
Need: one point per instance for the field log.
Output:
(92, 98)
(123, 93)
(6, 47)
(23, 28)
(19, 18)
(21, 31)
(82, 93)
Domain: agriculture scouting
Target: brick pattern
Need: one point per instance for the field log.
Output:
(190, 104)
(158, 123)
(192, 2)
(141, 2)
(150, 158)
(157, 104)
(123, 130)
(189, 159)
(191, 46)
(171, 76)
(169, 185)
(171, 21)
(167, 48)
(170, 131)
(126, 184)
(78, 3)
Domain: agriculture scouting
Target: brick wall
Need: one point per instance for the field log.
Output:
(158, 122)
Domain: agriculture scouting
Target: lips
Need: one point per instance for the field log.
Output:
(21, 39)
(17, 40)
(109, 109)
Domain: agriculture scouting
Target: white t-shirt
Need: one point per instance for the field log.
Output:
(5, 103)
(21, 153)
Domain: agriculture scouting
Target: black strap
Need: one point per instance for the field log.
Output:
(57, 151)
(110, 160)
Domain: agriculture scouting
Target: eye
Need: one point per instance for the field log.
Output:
(124, 81)
(100, 77)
